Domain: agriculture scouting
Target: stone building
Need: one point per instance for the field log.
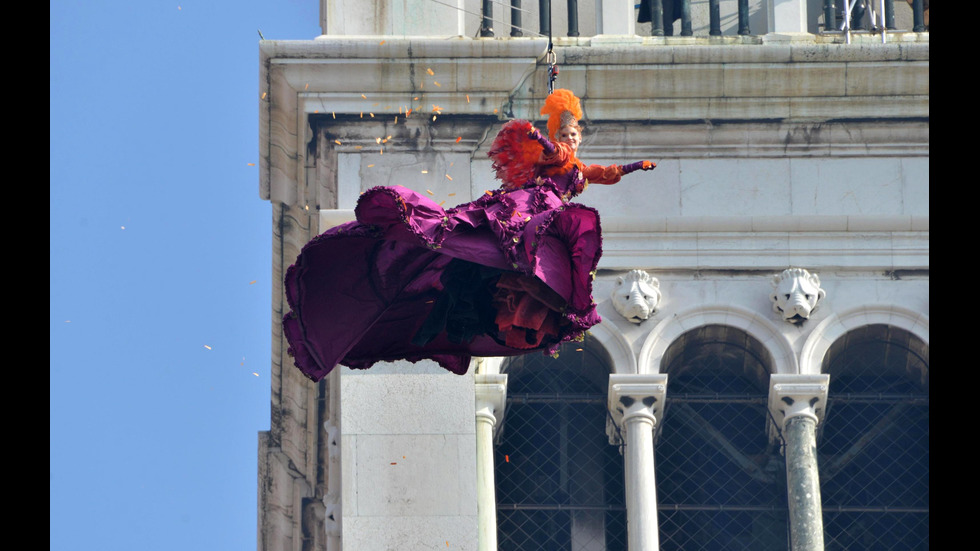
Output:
(760, 378)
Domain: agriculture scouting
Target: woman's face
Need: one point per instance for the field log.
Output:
(570, 135)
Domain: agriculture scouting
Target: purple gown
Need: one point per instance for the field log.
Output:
(410, 280)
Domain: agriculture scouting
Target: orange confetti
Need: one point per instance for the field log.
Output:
(429, 191)
(263, 95)
(467, 98)
(443, 202)
(450, 177)
(393, 463)
(494, 110)
(252, 282)
(363, 96)
(507, 459)
(427, 70)
(452, 194)
(372, 115)
(436, 82)
(488, 192)
(369, 166)
(396, 120)
(334, 114)
(382, 42)
(208, 347)
(458, 138)
(251, 164)
(336, 142)
(307, 87)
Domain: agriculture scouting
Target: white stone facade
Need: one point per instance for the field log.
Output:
(771, 155)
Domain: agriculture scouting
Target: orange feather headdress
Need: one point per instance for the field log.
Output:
(562, 109)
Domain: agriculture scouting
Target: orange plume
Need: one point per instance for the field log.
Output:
(555, 104)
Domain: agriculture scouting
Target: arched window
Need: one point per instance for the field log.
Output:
(873, 444)
(721, 482)
(559, 482)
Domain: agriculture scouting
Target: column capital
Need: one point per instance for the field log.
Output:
(490, 392)
(635, 396)
(797, 396)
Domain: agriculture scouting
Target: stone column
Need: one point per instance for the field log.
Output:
(491, 398)
(787, 16)
(615, 17)
(797, 403)
(636, 403)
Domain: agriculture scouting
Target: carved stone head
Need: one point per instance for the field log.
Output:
(795, 294)
(636, 295)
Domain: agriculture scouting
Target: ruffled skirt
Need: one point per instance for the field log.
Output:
(503, 275)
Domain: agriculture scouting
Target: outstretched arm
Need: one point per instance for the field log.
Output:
(638, 165)
(609, 175)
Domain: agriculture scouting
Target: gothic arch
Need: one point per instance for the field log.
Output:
(615, 344)
(829, 330)
(756, 326)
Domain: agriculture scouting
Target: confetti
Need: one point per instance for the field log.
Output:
(436, 82)
(372, 115)
(393, 463)
(396, 119)
(122, 227)
(371, 165)
(429, 191)
(494, 110)
(382, 42)
(251, 164)
(334, 114)
(443, 202)
(208, 347)
(363, 96)
(458, 138)
(425, 172)
(433, 117)
(263, 95)
(254, 373)
(252, 282)
(450, 177)
(307, 87)
(507, 459)
(336, 142)
(452, 194)
(467, 98)
(427, 70)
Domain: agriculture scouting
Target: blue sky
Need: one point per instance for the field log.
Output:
(160, 270)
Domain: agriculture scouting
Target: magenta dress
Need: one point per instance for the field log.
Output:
(504, 275)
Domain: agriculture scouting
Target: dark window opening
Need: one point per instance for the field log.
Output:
(559, 481)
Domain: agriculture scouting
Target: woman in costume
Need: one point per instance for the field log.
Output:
(504, 275)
